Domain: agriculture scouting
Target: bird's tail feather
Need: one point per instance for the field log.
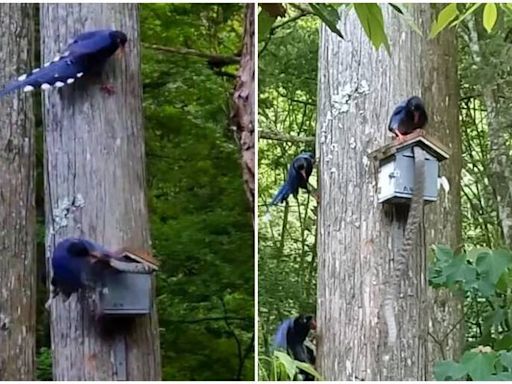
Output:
(281, 195)
(56, 73)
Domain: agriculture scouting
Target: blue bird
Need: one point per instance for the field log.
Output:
(73, 265)
(291, 335)
(87, 54)
(298, 175)
(80, 263)
(407, 117)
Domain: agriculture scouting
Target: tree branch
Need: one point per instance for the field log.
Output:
(213, 59)
(278, 136)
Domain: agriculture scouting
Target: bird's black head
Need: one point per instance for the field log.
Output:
(119, 38)
(415, 104)
(304, 323)
(310, 155)
(78, 249)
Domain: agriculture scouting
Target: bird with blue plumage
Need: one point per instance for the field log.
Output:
(87, 54)
(291, 337)
(409, 116)
(78, 264)
(299, 173)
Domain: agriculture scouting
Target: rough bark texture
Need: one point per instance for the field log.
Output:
(358, 237)
(243, 111)
(17, 200)
(95, 188)
(443, 219)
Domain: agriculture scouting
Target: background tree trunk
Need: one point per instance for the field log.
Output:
(243, 111)
(17, 200)
(443, 219)
(95, 188)
(358, 238)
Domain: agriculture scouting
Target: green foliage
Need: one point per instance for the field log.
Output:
(281, 367)
(44, 364)
(485, 277)
(370, 16)
(200, 221)
(265, 22)
(454, 13)
(490, 15)
(479, 364)
(447, 14)
(287, 105)
(329, 15)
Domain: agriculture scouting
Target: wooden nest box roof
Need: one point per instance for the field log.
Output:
(140, 256)
(418, 137)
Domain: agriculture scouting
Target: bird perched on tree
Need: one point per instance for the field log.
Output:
(78, 264)
(298, 176)
(407, 117)
(291, 336)
(87, 54)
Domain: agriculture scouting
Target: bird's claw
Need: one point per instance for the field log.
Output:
(109, 89)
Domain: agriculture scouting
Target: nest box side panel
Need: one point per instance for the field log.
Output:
(126, 294)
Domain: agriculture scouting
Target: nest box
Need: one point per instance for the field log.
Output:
(127, 293)
(395, 181)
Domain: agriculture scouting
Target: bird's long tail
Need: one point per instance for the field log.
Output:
(281, 195)
(411, 229)
(57, 73)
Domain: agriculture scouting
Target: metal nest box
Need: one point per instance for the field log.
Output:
(127, 293)
(396, 168)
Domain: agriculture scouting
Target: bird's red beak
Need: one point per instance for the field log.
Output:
(313, 325)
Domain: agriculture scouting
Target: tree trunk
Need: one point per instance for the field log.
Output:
(358, 237)
(17, 200)
(243, 110)
(95, 188)
(444, 218)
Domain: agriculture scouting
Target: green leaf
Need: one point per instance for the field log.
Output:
(265, 23)
(490, 16)
(502, 376)
(309, 369)
(449, 370)
(287, 362)
(474, 252)
(506, 357)
(470, 9)
(329, 16)
(443, 252)
(372, 21)
(458, 270)
(447, 14)
(405, 15)
(479, 365)
(397, 8)
(492, 266)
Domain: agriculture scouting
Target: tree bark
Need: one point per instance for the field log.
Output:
(95, 188)
(358, 237)
(17, 200)
(443, 219)
(243, 110)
